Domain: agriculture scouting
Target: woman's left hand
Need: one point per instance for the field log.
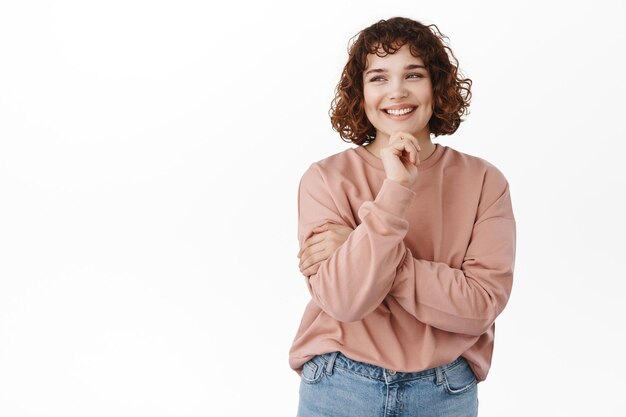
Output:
(320, 245)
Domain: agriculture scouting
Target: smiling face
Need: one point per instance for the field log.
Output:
(398, 94)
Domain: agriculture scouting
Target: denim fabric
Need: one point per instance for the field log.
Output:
(333, 385)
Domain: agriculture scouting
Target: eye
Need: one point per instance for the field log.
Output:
(412, 75)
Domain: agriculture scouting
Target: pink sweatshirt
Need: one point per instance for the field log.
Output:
(426, 271)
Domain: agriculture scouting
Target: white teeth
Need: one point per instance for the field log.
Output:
(400, 112)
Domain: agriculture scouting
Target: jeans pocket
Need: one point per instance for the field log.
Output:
(311, 372)
(459, 378)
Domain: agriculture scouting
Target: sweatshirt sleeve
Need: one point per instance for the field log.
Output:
(465, 300)
(354, 279)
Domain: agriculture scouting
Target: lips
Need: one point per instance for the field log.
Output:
(400, 111)
(399, 106)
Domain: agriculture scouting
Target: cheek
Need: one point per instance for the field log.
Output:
(427, 100)
(427, 94)
(369, 103)
(368, 98)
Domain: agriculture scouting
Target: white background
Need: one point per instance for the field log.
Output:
(150, 153)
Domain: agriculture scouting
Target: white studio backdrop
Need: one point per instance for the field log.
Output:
(150, 153)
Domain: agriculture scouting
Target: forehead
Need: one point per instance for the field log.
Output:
(400, 58)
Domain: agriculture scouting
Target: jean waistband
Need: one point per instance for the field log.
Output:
(332, 359)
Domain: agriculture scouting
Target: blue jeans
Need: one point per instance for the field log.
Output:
(333, 385)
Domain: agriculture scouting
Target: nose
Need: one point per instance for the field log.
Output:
(398, 90)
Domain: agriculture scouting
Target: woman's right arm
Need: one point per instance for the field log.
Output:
(354, 280)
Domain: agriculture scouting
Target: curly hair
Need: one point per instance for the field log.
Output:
(451, 92)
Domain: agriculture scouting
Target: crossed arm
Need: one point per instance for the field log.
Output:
(350, 270)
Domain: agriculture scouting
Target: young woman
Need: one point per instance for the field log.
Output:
(407, 246)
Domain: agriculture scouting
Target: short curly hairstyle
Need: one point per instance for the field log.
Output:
(451, 92)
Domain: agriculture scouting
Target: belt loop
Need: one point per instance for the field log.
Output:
(439, 372)
(331, 363)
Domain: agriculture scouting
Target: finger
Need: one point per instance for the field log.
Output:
(414, 148)
(313, 259)
(314, 238)
(417, 149)
(415, 145)
(412, 151)
(403, 138)
(312, 241)
(414, 154)
(327, 227)
(310, 247)
(344, 229)
(409, 137)
(312, 270)
(309, 252)
(406, 146)
(320, 228)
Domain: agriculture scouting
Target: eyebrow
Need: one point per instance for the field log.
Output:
(408, 67)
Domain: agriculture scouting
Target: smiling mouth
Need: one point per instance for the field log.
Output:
(401, 112)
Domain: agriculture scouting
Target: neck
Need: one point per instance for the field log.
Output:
(382, 141)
